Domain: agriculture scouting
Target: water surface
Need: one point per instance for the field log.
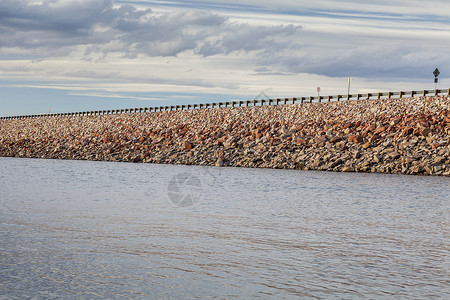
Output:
(79, 229)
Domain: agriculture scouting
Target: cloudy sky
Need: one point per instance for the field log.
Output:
(74, 55)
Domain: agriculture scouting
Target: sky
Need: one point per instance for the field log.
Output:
(78, 55)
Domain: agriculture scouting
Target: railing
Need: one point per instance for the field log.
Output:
(277, 101)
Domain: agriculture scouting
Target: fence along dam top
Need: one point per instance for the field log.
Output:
(240, 103)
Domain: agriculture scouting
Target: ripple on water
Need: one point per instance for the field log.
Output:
(110, 230)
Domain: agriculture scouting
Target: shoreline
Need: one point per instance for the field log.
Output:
(399, 136)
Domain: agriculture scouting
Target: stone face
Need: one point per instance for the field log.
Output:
(409, 136)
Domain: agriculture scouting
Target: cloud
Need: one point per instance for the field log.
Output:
(59, 27)
(247, 38)
(329, 38)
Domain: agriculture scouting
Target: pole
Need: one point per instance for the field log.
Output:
(348, 88)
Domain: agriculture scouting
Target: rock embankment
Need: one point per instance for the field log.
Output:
(408, 136)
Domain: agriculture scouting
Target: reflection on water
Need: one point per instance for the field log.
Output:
(77, 229)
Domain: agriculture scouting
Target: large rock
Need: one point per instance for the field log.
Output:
(355, 138)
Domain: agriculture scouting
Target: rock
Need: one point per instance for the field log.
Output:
(219, 163)
(188, 146)
(407, 131)
(408, 159)
(372, 128)
(417, 169)
(136, 159)
(301, 141)
(327, 136)
(379, 130)
(335, 139)
(428, 169)
(395, 122)
(394, 155)
(355, 139)
(334, 164)
(356, 154)
(439, 160)
(425, 132)
(366, 145)
(319, 140)
(374, 138)
(219, 154)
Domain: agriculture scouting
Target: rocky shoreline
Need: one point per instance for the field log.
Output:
(406, 136)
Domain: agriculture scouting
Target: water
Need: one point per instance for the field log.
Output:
(77, 229)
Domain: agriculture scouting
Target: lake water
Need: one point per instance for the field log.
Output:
(79, 229)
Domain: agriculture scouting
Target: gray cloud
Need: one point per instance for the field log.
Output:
(99, 27)
(382, 61)
(55, 25)
(247, 38)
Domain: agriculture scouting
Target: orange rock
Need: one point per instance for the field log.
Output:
(372, 127)
(141, 139)
(426, 131)
(187, 146)
(407, 131)
(355, 138)
(319, 140)
(301, 141)
(347, 125)
(379, 130)
(374, 138)
(348, 130)
(275, 141)
(391, 129)
(395, 121)
(335, 139)
(417, 132)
